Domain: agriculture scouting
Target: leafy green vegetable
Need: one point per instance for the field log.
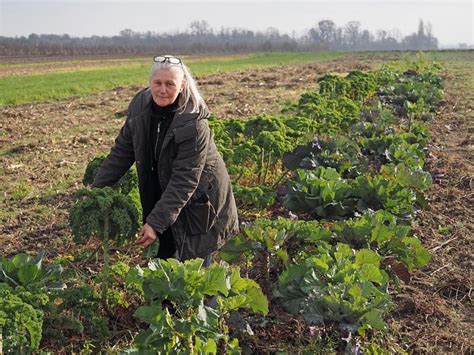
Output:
(191, 326)
(20, 323)
(339, 153)
(254, 197)
(127, 183)
(310, 231)
(324, 194)
(357, 85)
(104, 213)
(264, 243)
(380, 231)
(330, 115)
(377, 192)
(76, 311)
(337, 285)
(108, 215)
(27, 271)
(320, 192)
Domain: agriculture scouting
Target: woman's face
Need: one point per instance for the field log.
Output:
(165, 86)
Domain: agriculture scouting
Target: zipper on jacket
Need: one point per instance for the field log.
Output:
(156, 145)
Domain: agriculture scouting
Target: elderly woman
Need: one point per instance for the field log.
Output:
(185, 189)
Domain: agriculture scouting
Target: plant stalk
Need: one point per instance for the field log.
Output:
(105, 272)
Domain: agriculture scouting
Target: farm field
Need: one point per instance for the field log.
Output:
(58, 80)
(45, 146)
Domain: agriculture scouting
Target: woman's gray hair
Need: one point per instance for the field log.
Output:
(190, 93)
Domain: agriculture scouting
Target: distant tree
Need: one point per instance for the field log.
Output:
(199, 37)
(421, 40)
(431, 39)
(395, 33)
(127, 33)
(421, 29)
(327, 31)
(200, 28)
(351, 34)
(272, 33)
(366, 40)
(381, 35)
(313, 35)
(384, 41)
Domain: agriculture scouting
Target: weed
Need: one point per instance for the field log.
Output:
(21, 190)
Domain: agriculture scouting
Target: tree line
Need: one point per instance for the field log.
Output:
(199, 37)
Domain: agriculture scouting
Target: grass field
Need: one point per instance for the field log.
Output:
(79, 81)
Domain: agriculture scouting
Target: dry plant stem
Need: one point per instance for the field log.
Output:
(443, 244)
(266, 262)
(93, 255)
(285, 172)
(261, 166)
(267, 167)
(105, 272)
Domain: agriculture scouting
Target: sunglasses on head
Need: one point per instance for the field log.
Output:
(169, 59)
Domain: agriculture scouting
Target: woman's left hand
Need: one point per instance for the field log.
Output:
(147, 236)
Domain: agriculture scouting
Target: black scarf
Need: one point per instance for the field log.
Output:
(161, 118)
(160, 121)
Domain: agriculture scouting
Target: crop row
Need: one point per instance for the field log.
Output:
(354, 190)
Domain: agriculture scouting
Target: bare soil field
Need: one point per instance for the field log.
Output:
(46, 146)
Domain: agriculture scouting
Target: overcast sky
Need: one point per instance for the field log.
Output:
(452, 21)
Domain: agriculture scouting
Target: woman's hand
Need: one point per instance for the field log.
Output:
(147, 236)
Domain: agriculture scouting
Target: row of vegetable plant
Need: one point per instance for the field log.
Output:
(354, 189)
(346, 162)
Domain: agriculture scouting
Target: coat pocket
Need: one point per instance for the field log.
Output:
(200, 216)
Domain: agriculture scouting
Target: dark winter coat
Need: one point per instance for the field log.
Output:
(197, 201)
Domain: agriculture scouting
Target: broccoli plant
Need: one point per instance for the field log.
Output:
(108, 215)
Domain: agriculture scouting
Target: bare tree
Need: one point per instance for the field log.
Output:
(351, 32)
(327, 31)
(200, 28)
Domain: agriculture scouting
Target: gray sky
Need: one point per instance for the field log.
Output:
(452, 21)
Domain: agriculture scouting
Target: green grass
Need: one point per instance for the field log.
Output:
(20, 89)
(22, 189)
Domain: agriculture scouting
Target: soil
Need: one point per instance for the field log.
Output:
(45, 147)
(434, 313)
